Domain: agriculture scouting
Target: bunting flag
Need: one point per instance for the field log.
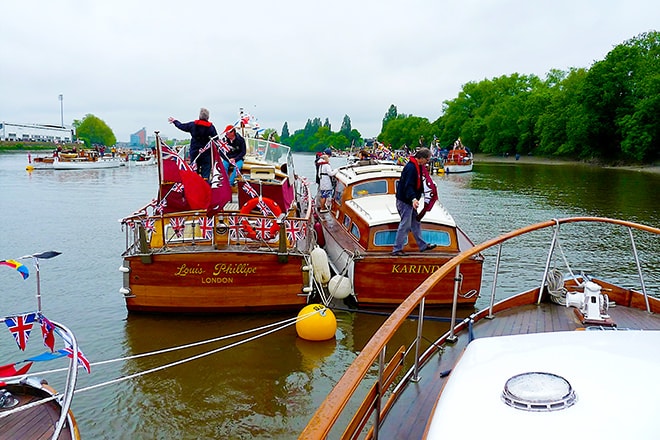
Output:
(178, 224)
(82, 360)
(262, 228)
(430, 193)
(206, 227)
(68, 352)
(295, 230)
(220, 188)
(21, 268)
(171, 164)
(46, 356)
(10, 370)
(47, 333)
(235, 230)
(20, 327)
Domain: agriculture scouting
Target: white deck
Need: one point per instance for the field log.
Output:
(612, 372)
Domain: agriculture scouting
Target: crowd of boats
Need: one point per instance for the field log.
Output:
(547, 356)
(87, 158)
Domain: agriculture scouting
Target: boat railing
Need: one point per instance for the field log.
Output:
(157, 233)
(380, 397)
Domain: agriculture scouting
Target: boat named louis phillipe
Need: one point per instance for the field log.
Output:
(249, 252)
(543, 363)
(358, 233)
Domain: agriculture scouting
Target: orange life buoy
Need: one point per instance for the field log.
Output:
(249, 206)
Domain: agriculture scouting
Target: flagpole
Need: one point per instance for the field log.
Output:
(159, 153)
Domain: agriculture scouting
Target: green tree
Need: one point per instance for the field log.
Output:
(391, 114)
(345, 125)
(94, 131)
(285, 131)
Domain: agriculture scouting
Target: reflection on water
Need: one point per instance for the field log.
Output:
(269, 387)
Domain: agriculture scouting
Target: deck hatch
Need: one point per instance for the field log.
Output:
(538, 392)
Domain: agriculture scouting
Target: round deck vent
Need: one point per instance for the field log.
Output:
(538, 392)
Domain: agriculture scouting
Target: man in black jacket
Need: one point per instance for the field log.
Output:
(408, 193)
(201, 132)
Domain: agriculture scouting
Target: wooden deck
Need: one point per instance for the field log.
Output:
(416, 401)
(35, 423)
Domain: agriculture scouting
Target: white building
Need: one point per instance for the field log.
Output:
(34, 132)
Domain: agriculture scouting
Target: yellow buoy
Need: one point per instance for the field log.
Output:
(29, 168)
(320, 325)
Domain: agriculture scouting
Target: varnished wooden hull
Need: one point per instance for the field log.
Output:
(214, 282)
(387, 280)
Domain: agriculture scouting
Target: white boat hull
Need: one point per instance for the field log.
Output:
(452, 169)
(87, 165)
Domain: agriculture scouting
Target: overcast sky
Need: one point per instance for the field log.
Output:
(133, 63)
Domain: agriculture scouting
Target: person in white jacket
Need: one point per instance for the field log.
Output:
(325, 181)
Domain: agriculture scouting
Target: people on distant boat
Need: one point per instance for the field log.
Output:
(364, 158)
(237, 153)
(325, 173)
(201, 131)
(408, 194)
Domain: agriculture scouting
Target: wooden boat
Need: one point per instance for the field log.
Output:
(524, 366)
(87, 162)
(29, 407)
(249, 253)
(459, 159)
(358, 233)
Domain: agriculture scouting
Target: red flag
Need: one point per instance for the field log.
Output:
(196, 189)
(220, 188)
(47, 328)
(9, 370)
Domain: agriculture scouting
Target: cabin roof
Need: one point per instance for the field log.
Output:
(381, 209)
(351, 174)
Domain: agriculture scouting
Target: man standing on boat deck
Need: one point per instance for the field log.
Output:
(408, 193)
(325, 172)
(201, 131)
(236, 154)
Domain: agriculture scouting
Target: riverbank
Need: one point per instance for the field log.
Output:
(523, 160)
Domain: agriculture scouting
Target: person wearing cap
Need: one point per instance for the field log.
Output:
(201, 131)
(325, 182)
(237, 153)
(408, 194)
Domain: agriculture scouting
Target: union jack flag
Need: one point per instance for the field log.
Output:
(149, 226)
(82, 360)
(178, 224)
(295, 230)
(222, 145)
(47, 328)
(262, 228)
(249, 190)
(20, 327)
(235, 230)
(206, 226)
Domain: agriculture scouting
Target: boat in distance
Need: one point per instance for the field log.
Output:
(358, 232)
(547, 362)
(459, 159)
(249, 252)
(29, 407)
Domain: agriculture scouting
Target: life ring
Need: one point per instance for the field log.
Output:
(249, 206)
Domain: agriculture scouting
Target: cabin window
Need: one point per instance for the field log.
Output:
(441, 238)
(370, 188)
(339, 190)
(347, 221)
(355, 231)
(386, 238)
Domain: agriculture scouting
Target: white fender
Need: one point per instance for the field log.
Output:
(320, 265)
(340, 286)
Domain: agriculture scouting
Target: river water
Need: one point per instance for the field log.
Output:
(269, 387)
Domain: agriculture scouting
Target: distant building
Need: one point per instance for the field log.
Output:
(34, 133)
(139, 139)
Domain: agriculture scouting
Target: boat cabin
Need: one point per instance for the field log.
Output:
(364, 205)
